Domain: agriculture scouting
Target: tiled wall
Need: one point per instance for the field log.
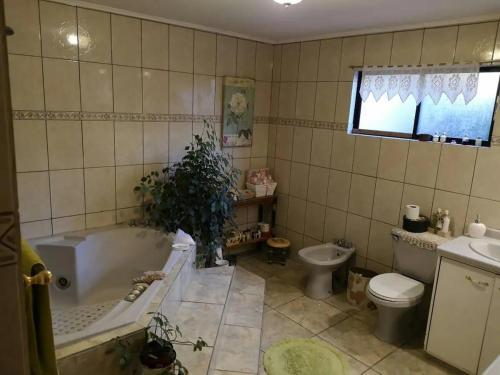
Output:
(334, 185)
(92, 117)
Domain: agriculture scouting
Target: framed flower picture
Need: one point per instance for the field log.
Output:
(237, 114)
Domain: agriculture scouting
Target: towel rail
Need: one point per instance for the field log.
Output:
(41, 278)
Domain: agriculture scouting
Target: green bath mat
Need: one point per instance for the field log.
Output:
(304, 357)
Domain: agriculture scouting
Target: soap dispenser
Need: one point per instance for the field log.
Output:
(477, 229)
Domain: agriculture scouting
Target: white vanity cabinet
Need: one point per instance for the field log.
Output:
(491, 344)
(459, 316)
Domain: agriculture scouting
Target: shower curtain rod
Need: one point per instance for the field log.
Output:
(490, 62)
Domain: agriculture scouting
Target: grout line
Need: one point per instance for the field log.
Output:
(124, 65)
(456, 44)
(422, 42)
(45, 121)
(84, 175)
(392, 48)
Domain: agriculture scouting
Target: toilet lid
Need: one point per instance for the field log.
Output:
(396, 287)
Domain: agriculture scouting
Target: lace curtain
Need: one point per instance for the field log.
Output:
(420, 82)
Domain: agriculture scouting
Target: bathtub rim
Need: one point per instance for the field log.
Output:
(132, 328)
(74, 347)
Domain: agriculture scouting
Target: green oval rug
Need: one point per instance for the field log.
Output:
(304, 357)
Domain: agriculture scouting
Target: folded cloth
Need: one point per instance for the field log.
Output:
(182, 240)
(425, 240)
(38, 317)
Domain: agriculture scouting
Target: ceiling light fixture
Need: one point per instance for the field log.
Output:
(287, 3)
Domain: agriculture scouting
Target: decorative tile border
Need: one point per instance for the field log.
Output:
(121, 116)
(308, 123)
(110, 116)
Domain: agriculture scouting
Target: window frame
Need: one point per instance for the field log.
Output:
(357, 114)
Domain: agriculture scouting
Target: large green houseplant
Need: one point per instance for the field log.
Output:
(195, 194)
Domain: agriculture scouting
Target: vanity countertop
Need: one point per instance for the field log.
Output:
(459, 249)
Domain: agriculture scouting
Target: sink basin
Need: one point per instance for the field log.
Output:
(487, 249)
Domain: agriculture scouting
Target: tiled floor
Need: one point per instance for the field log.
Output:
(226, 309)
(288, 313)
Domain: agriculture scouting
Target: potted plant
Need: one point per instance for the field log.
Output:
(157, 353)
(195, 194)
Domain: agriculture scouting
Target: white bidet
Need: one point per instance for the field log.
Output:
(322, 260)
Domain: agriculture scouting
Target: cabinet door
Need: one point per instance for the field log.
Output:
(491, 344)
(461, 302)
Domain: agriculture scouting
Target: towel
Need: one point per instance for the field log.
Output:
(182, 240)
(38, 318)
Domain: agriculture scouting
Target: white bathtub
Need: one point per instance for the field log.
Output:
(98, 267)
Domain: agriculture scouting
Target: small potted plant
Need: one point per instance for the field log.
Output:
(195, 194)
(157, 354)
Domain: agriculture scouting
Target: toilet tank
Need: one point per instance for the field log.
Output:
(413, 261)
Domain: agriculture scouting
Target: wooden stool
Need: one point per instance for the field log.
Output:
(277, 250)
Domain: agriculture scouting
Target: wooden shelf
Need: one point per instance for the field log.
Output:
(264, 237)
(267, 200)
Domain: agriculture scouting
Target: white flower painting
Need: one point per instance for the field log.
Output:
(239, 94)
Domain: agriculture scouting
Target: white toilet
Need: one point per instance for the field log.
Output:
(397, 295)
(322, 260)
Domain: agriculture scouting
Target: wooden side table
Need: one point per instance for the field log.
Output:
(278, 250)
(261, 202)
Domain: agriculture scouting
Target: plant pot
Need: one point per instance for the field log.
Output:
(157, 371)
(204, 257)
(201, 256)
(156, 356)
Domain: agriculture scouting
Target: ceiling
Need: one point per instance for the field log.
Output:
(267, 21)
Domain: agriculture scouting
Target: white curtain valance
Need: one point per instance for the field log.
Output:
(419, 82)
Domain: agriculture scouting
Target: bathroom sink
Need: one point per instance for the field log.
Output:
(487, 249)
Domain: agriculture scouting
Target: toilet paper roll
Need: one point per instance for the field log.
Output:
(412, 212)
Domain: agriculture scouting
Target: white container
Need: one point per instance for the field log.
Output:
(262, 190)
(477, 229)
(271, 187)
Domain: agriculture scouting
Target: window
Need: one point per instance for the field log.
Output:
(407, 119)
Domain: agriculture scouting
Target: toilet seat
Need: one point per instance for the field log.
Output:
(396, 289)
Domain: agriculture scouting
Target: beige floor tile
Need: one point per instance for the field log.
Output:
(199, 320)
(196, 362)
(278, 293)
(314, 315)
(294, 275)
(354, 367)
(371, 372)
(247, 282)
(244, 310)
(208, 288)
(339, 301)
(356, 339)
(277, 327)
(220, 372)
(259, 260)
(249, 265)
(368, 315)
(237, 349)
(413, 361)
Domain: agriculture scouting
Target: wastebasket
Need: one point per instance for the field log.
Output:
(357, 284)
